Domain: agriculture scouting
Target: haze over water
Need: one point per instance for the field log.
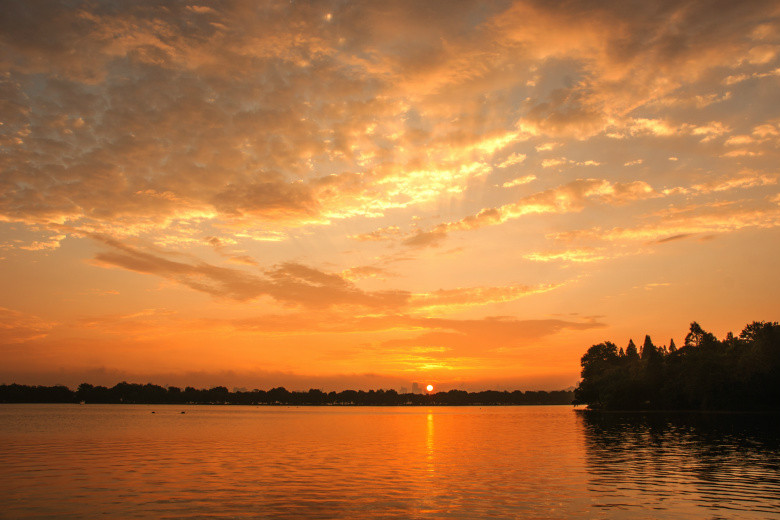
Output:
(70, 461)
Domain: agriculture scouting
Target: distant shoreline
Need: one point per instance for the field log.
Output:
(134, 393)
(280, 405)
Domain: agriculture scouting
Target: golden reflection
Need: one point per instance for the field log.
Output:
(429, 445)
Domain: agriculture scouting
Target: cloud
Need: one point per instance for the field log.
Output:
(221, 246)
(686, 222)
(471, 296)
(584, 255)
(681, 236)
(379, 234)
(625, 61)
(294, 284)
(549, 163)
(48, 244)
(665, 128)
(570, 197)
(519, 181)
(567, 112)
(268, 199)
(559, 161)
(366, 271)
(20, 327)
(288, 283)
(515, 158)
(745, 179)
(119, 119)
(431, 238)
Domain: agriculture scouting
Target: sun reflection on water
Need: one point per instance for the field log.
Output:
(429, 444)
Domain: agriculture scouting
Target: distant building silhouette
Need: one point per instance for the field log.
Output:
(416, 388)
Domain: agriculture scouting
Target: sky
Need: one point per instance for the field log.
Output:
(368, 194)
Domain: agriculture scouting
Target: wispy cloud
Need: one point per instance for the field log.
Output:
(293, 284)
(519, 181)
(689, 222)
(570, 197)
(20, 327)
(288, 283)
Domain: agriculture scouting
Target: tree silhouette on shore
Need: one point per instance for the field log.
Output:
(134, 393)
(737, 373)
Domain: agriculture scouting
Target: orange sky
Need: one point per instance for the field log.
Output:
(367, 194)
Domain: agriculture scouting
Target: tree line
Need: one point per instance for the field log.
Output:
(134, 393)
(736, 373)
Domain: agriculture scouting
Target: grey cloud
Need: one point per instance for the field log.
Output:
(272, 198)
(625, 54)
(568, 112)
(236, 110)
(672, 238)
(172, 106)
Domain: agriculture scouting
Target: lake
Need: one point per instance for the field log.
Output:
(123, 461)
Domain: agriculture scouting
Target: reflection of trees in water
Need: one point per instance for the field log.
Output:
(720, 461)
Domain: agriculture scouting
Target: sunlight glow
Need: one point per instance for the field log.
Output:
(379, 192)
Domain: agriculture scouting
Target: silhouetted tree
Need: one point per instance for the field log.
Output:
(649, 351)
(631, 352)
(697, 337)
(598, 364)
(736, 373)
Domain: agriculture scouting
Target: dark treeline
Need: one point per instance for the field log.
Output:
(737, 373)
(132, 393)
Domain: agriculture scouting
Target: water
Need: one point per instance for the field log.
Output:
(114, 461)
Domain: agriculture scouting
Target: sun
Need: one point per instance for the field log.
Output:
(429, 388)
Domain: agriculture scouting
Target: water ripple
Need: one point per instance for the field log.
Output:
(504, 462)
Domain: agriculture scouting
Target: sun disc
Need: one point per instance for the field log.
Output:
(429, 388)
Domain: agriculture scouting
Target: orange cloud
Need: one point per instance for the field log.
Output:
(295, 284)
(583, 255)
(687, 222)
(444, 299)
(20, 327)
(289, 283)
(566, 198)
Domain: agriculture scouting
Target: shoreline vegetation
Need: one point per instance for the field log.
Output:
(736, 374)
(134, 393)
